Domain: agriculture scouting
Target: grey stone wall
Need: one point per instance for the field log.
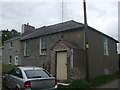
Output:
(47, 61)
(98, 62)
(14, 51)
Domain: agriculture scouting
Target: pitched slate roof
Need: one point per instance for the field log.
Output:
(57, 28)
(20, 36)
(46, 30)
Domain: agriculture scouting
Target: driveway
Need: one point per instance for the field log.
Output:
(112, 85)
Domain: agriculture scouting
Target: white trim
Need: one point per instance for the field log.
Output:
(10, 45)
(10, 59)
(26, 48)
(106, 51)
(15, 60)
(40, 47)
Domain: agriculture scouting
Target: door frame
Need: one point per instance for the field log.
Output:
(56, 62)
(15, 59)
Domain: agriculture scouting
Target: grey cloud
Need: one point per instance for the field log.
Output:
(47, 13)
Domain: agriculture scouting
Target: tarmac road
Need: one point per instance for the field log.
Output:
(112, 85)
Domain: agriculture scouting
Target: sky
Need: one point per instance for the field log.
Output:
(101, 14)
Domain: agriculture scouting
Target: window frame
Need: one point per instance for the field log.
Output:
(10, 59)
(14, 73)
(26, 48)
(10, 45)
(106, 47)
(42, 47)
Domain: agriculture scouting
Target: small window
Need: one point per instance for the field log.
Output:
(10, 45)
(43, 48)
(18, 73)
(26, 48)
(106, 52)
(10, 59)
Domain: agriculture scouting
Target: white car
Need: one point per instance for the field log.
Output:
(29, 78)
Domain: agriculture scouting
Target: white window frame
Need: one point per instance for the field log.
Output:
(10, 59)
(26, 53)
(10, 45)
(106, 51)
(40, 47)
(15, 60)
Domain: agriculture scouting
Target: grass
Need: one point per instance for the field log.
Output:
(101, 80)
(7, 68)
(93, 83)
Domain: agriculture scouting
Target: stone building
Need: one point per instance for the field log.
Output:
(11, 51)
(60, 49)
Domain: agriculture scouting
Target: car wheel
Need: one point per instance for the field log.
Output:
(4, 80)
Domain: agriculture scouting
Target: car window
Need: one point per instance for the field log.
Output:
(12, 71)
(36, 74)
(17, 72)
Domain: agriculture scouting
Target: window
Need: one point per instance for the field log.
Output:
(16, 72)
(26, 48)
(10, 45)
(43, 46)
(106, 47)
(36, 74)
(10, 59)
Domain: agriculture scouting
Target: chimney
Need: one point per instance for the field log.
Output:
(27, 28)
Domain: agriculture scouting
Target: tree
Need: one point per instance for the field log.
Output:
(6, 34)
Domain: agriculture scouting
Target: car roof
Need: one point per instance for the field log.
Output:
(29, 68)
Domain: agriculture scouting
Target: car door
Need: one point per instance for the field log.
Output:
(9, 78)
(17, 79)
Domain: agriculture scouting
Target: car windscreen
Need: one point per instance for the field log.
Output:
(36, 73)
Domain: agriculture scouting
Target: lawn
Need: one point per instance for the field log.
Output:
(7, 68)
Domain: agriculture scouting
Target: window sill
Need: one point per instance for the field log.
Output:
(26, 55)
(106, 55)
(10, 48)
(42, 54)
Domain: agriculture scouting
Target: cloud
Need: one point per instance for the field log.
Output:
(101, 15)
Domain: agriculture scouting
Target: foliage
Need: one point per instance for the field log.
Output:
(98, 81)
(6, 34)
(79, 84)
(93, 83)
(62, 86)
